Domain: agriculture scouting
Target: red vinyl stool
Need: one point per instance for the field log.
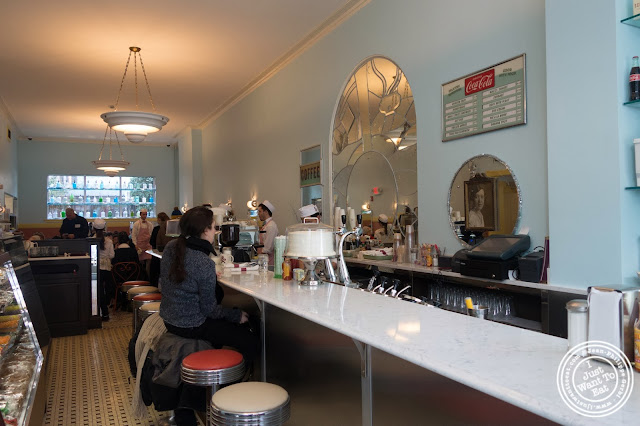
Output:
(138, 301)
(137, 291)
(125, 287)
(212, 368)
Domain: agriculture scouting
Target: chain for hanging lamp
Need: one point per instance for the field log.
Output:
(135, 124)
(110, 167)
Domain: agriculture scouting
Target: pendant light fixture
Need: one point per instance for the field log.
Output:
(135, 124)
(110, 167)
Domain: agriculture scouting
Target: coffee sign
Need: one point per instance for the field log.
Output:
(491, 99)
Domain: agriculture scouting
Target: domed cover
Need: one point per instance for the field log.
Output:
(310, 239)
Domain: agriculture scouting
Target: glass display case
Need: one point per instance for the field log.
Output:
(20, 355)
(100, 196)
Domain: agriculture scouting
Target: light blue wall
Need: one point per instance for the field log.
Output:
(255, 145)
(36, 160)
(590, 137)
(8, 158)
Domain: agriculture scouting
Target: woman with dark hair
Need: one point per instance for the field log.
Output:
(124, 251)
(188, 278)
(158, 241)
(476, 204)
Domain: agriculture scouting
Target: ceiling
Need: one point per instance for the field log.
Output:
(61, 62)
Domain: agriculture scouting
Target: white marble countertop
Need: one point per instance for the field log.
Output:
(515, 365)
(425, 269)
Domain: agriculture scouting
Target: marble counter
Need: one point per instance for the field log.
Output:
(515, 365)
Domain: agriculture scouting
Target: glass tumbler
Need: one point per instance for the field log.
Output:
(263, 263)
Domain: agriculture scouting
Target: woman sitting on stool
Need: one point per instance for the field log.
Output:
(189, 307)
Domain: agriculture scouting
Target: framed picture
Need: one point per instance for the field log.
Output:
(480, 205)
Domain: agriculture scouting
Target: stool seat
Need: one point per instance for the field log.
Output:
(147, 297)
(212, 359)
(250, 403)
(150, 307)
(137, 282)
(141, 289)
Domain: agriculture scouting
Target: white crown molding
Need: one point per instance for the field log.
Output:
(124, 144)
(298, 49)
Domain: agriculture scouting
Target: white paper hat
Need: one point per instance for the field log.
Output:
(99, 224)
(308, 210)
(383, 218)
(270, 206)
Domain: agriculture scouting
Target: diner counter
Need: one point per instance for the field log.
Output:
(512, 364)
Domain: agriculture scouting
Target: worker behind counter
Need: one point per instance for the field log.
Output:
(74, 226)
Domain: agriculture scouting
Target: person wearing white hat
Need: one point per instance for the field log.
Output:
(269, 229)
(381, 233)
(310, 210)
(141, 236)
(107, 253)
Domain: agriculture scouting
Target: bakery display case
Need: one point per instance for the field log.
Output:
(21, 358)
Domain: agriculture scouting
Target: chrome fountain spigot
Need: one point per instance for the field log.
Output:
(402, 291)
(346, 280)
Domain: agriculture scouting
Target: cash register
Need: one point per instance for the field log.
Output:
(493, 257)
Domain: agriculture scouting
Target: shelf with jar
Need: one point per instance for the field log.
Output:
(88, 194)
(20, 356)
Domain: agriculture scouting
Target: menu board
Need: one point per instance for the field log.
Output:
(487, 100)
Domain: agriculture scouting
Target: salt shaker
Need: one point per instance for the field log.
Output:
(577, 323)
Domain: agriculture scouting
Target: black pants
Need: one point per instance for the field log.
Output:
(224, 333)
(105, 291)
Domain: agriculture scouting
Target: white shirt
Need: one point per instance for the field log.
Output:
(267, 239)
(107, 254)
(476, 220)
(136, 229)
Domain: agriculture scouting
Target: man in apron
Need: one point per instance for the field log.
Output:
(269, 229)
(140, 235)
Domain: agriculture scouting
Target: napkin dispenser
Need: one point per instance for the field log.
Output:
(612, 313)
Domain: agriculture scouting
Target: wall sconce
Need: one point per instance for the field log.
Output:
(252, 204)
(366, 208)
(184, 208)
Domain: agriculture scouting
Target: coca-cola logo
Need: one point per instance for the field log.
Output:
(479, 82)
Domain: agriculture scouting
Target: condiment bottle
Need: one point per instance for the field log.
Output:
(397, 244)
(434, 255)
(429, 258)
(577, 323)
(287, 271)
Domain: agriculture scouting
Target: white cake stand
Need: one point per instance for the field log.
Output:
(310, 277)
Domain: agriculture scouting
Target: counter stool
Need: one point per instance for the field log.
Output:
(212, 368)
(128, 285)
(146, 310)
(250, 403)
(138, 301)
(136, 291)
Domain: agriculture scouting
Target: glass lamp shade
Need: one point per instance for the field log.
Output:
(135, 124)
(111, 167)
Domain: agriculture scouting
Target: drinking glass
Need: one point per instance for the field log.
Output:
(263, 263)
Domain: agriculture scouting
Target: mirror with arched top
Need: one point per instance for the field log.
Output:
(484, 199)
(374, 146)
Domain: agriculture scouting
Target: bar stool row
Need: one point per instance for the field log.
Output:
(247, 404)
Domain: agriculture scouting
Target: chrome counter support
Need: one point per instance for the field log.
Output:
(263, 358)
(365, 377)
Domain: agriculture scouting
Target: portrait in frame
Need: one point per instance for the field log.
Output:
(480, 204)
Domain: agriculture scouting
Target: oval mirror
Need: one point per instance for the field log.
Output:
(484, 199)
(374, 161)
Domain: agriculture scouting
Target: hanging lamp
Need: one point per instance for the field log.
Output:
(110, 167)
(135, 124)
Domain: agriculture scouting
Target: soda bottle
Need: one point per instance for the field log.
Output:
(634, 80)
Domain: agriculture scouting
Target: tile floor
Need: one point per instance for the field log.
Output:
(89, 381)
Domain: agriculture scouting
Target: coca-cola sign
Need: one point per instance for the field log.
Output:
(479, 82)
